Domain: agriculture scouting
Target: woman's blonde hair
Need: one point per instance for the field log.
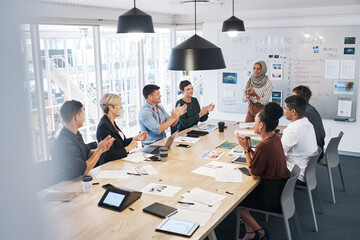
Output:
(109, 99)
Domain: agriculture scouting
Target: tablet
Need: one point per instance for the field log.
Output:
(177, 227)
(118, 198)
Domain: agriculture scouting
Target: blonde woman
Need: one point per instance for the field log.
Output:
(111, 106)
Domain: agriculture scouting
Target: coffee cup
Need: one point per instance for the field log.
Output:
(221, 126)
(163, 154)
(87, 183)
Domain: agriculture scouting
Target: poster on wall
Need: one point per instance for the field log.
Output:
(344, 108)
(276, 96)
(343, 87)
(276, 71)
(229, 78)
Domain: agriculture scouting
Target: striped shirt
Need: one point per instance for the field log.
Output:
(264, 93)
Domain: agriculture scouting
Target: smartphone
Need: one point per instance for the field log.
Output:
(154, 158)
(241, 160)
(183, 145)
(245, 171)
(106, 186)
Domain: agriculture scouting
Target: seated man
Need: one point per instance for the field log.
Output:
(298, 139)
(312, 115)
(152, 116)
(72, 158)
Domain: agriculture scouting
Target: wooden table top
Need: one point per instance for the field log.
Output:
(81, 218)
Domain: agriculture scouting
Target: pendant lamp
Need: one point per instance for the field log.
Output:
(135, 21)
(233, 25)
(196, 53)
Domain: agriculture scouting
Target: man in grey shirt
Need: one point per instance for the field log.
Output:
(313, 115)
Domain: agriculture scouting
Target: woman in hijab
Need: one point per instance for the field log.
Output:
(257, 92)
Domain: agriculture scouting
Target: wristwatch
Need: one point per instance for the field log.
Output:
(246, 151)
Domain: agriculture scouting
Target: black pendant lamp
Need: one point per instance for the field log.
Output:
(233, 25)
(196, 53)
(135, 21)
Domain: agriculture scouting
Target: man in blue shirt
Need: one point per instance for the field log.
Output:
(72, 157)
(153, 118)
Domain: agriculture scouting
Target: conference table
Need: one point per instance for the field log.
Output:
(81, 218)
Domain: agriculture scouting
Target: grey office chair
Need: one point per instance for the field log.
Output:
(311, 183)
(287, 206)
(331, 160)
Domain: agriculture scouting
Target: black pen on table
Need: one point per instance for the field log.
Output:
(135, 174)
(188, 203)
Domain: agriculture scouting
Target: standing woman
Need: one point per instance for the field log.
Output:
(111, 106)
(267, 162)
(194, 113)
(257, 91)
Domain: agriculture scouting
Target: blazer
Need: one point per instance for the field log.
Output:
(117, 149)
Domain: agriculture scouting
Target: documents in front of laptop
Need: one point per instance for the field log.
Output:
(189, 210)
(211, 154)
(205, 197)
(245, 132)
(184, 139)
(228, 175)
(142, 170)
(135, 157)
(113, 174)
(246, 125)
(210, 168)
(160, 189)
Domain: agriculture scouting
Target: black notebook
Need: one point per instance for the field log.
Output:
(160, 210)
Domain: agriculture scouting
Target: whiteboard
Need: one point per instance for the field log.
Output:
(311, 56)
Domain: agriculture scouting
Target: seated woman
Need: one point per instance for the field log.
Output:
(194, 114)
(268, 162)
(111, 105)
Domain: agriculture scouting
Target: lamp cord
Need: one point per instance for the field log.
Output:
(134, 4)
(233, 8)
(195, 17)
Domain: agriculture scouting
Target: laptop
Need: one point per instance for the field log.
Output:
(154, 149)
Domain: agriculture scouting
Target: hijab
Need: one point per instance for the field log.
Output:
(259, 81)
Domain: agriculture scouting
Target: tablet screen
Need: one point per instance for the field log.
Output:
(177, 226)
(114, 199)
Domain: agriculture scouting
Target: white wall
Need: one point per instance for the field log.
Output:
(349, 143)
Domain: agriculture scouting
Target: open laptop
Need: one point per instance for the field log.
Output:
(154, 149)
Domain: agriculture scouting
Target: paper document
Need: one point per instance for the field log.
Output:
(205, 197)
(235, 153)
(135, 157)
(227, 145)
(160, 189)
(214, 155)
(205, 127)
(245, 132)
(210, 169)
(143, 170)
(228, 175)
(246, 125)
(187, 139)
(113, 174)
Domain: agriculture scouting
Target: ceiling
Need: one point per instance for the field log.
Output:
(186, 7)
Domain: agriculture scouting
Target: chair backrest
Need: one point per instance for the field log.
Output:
(332, 154)
(287, 195)
(310, 171)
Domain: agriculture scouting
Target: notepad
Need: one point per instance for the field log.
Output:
(59, 196)
(160, 210)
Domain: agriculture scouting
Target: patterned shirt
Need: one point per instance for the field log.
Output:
(264, 93)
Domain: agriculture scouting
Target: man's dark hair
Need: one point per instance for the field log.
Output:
(270, 115)
(69, 109)
(303, 91)
(184, 84)
(149, 89)
(298, 103)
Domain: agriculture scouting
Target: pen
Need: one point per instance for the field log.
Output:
(135, 174)
(95, 183)
(227, 192)
(131, 209)
(188, 203)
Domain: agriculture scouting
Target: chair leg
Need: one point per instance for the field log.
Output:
(319, 199)
(342, 178)
(312, 209)
(237, 233)
(331, 185)
(287, 228)
(298, 225)
(212, 235)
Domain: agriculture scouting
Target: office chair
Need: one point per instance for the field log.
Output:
(287, 206)
(331, 160)
(311, 183)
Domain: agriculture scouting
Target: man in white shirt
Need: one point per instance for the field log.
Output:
(298, 140)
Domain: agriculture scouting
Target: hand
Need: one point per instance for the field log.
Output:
(105, 144)
(133, 144)
(244, 143)
(141, 137)
(203, 111)
(211, 107)
(174, 114)
(181, 109)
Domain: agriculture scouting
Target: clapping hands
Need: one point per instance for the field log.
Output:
(141, 136)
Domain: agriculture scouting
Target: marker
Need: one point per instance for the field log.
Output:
(135, 174)
(95, 183)
(188, 203)
(131, 209)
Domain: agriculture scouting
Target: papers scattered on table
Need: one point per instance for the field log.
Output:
(198, 212)
(160, 189)
(235, 153)
(135, 157)
(214, 155)
(113, 174)
(205, 126)
(205, 197)
(187, 139)
(211, 168)
(255, 141)
(143, 170)
(245, 132)
(228, 175)
(246, 125)
(227, 145)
